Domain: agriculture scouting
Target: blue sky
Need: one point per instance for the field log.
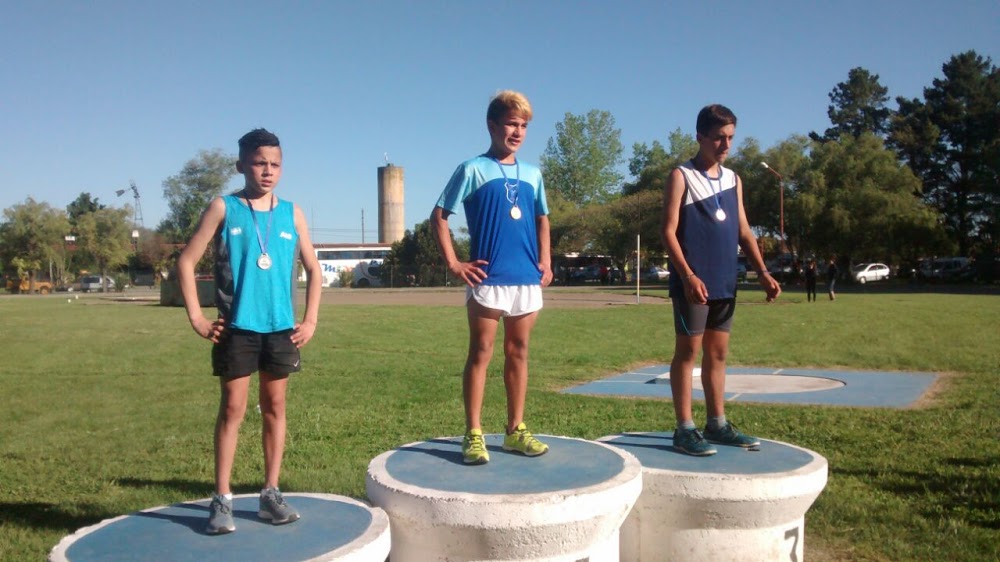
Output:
(94, 94)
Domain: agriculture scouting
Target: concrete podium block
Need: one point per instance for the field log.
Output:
(332, 528)
(564, 506)
(736, 505)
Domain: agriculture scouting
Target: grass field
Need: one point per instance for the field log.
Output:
(108, 409)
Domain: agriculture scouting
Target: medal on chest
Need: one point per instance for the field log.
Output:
(512, 189)
(264, 261)
(720, 215)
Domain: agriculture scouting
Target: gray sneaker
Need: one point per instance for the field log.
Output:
(220, 518)
(274, 507)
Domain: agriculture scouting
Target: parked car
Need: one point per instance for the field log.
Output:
(90, 283)
(23, 285)
(946, 269)
(656, 274)
(865, 272)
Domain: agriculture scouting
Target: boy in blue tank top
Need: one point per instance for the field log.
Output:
(703, 222)
(257, 238)
(505, 207)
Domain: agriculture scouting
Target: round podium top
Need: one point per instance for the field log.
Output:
(177, 532)
(655, 451)
(569, 464)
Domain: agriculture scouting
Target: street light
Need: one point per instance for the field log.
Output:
(781, 201)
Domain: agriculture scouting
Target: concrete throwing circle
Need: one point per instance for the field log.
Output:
(437, 465)
(331, 528)
(882, 389)
(766, 384)
(567, 504)
(739, 504)
(656, 450)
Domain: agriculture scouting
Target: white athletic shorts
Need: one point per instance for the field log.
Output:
(511, 300)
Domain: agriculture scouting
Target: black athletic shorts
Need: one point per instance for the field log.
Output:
(692, 319)
(241, 352)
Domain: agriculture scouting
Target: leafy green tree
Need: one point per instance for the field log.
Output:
(856, 201)
(33, 236)
(105, 235)
(764, 195)
(83, 204)
(858, 106)
(651, 166)
(189, 192)
(581, 161)
(639, 214)
(415, 259)
(951, 140)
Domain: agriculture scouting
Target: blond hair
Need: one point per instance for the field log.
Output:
(508, 101)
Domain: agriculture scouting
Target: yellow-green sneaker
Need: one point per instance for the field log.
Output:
(474, 448)
(522, 441)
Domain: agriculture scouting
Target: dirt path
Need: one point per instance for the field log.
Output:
(556, 297)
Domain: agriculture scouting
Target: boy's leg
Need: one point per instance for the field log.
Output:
(483, 323)
(272, 409)
(517, 332)
(715, 345)
(232, 407)
(681, 370)
(273, 506)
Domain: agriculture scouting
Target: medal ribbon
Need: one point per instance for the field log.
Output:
(717, 194)
(506, 183)
(267, 235)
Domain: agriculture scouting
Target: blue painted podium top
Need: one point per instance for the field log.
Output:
(655, 450)
(569, 464)
(177, 533)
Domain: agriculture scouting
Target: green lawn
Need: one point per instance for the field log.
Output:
(108, 409)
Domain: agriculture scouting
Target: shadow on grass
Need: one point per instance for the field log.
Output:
(38, 515)
(968, 492)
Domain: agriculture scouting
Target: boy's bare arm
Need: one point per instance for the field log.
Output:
(209, 224)
(469, 272)
(673, 196)
(544, 249)
(305, 330)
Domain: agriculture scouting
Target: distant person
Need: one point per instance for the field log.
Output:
(831, 278)
(256, 237)
(505, 206)
(703, 222)
(811, 281)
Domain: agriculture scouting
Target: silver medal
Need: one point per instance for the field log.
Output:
(515, 213)
(720, 215)
(264, 261)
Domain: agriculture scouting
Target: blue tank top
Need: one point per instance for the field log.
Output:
(710, 246)
(248, 297)
(508, 244)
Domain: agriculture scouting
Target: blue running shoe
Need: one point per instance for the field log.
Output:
(692, 442)
(729, 435)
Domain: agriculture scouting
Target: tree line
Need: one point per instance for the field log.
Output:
(880, 184)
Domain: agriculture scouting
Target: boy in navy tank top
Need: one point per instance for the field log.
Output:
(505, 207)
(703, 222)
(257, 238)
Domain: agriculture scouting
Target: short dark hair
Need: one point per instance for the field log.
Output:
(255, 139)
(712, 116)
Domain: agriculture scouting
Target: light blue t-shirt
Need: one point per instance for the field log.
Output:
(248, 297)
(710, 245)
(508, 244)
